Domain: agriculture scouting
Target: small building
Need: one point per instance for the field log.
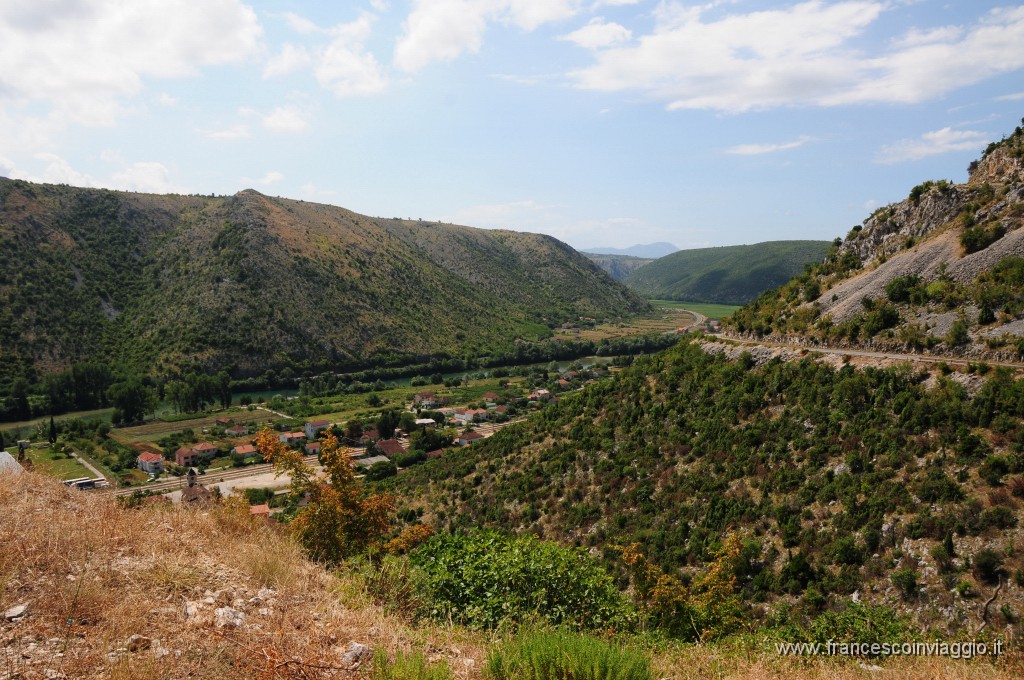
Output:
(372, 460)
(390, 447)
(314, 427)
(262, 511)
(313, 448)
(195, 493)
(205, 450)
(501, 410)
(428, 400)
(223, 421)
(491, 396)
(471, 415)
(425, 422)
(371, 435)
(150, 462)
(467, 438)
(237, 431)
(246, 451)
(435, 454)
(292, 438)
(185, 457)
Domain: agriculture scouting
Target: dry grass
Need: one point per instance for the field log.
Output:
(94, 574)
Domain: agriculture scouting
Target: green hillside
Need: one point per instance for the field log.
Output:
(162, 284)
(618, 266)
(875, 481)
(729, 274)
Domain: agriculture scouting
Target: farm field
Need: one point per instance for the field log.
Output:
(664, 319)
(710, 310)
(62, 467)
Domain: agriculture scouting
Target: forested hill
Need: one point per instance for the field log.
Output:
(251, 282)
(886, 483)
(728, 274)
(942, 270)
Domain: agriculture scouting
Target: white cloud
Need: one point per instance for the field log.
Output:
(614, 3)
(6, 167)
(1016, 97)
(167, 100)
(379, 5)
(759, 149)
(291, 58)
(933, 143)
(59, 171)
(802, 54)
(82, 57)
(272, 177)
(597, 34)
(147, 177)
(441, 30)
(234, 132)
(285, 119)
(344, 66)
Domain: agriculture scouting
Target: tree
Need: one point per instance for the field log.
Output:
(340, 519)
(53, 431)
(386, 424)
(224, 388)
(132, 400)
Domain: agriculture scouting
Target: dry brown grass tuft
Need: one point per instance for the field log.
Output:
(95, 576)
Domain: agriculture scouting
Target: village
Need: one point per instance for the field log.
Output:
(194, 461)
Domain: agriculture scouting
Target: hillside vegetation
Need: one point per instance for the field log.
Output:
(162, 284)
(730, 274)
(942, 270)
(885, 485)
(618, 266)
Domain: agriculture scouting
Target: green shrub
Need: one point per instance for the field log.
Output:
(558, 655)
(988, 565)
(409, 667)
(485, 577)
(863, 623)
(905, 580)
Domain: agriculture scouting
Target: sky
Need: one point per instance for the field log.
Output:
(599, 122)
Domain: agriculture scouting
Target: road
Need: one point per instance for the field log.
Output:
(209, 479)
(914, 358)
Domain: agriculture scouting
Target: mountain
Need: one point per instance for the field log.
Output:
(647, 250)
(163, 283)
(728, 274)
(941, 270)
(618, 266)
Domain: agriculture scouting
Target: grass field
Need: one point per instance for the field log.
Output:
(664, 319)
(711, 311)
(62, 468)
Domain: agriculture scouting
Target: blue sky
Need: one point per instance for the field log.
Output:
(600, 122)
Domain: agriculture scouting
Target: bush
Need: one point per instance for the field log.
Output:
(558, 655)
(483, 578)
(381, 470)
(988, 565)
(409, 667)
(905, 580)
(863, 623)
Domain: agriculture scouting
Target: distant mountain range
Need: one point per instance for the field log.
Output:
(650, 251)
(163, 284)
(727, 274)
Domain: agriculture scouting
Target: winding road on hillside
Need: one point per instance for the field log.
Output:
(913, 358)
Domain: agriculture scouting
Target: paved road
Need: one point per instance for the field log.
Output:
(917, 358)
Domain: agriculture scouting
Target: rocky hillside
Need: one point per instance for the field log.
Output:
(159, 283)
(942, 269)
(727, 275)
